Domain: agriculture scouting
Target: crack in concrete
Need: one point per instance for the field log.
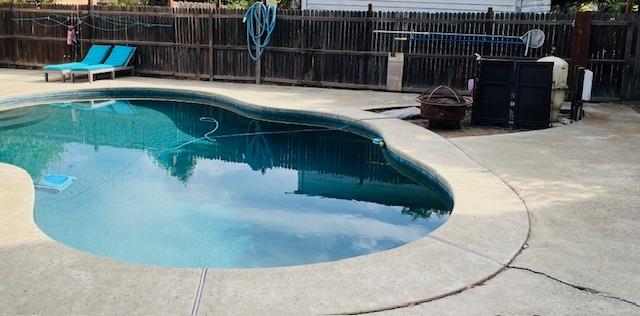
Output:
(578, 287)
(507, 266)
(575, 286)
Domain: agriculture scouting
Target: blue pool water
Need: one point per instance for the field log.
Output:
(149, 188)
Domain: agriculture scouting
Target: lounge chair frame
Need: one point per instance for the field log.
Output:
(63, 74)
(66, 72)
(111, 70)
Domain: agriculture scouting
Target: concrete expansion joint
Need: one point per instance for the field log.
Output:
(196, 301)
(476, 253)
(575, 286)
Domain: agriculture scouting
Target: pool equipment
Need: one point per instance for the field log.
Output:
(54, 182)
(206, 136)
(514, 93)
(583, 80)
(261, 21)
(531, 39)
(560, 76)
(378, 141)
(588, 85)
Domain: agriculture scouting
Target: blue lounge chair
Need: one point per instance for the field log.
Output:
(118, 60)
(95, 55)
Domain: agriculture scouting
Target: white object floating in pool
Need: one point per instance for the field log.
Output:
(378, 141)
(54, 182)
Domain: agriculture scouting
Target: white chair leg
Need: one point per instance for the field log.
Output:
(90, 77)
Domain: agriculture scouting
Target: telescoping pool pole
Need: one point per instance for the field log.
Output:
(531, 39)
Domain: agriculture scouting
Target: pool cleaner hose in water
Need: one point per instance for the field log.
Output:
(261, 21)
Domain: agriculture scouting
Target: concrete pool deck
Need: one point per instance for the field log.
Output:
(486, 231)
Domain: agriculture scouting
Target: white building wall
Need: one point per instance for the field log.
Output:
(538, 6)
(430, 5)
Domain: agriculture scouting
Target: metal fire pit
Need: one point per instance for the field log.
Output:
(446, 108)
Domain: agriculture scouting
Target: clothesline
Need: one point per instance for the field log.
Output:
(119, 24)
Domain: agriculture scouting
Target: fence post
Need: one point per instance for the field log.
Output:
(174, 48)
(628, 66)
(369, 39)
(488, 30)
(211, 52)
(258, 63)
(91, 22)
(580, 43)
(629, 8)
(12, 31)
(302, 69)
(77, 48)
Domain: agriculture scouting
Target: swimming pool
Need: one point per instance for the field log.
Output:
(149, 187)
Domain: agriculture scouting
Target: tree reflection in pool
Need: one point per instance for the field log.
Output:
(149, 189)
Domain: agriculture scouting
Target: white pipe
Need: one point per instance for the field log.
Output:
(588, 85)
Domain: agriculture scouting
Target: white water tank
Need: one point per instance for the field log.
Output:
(560, 77)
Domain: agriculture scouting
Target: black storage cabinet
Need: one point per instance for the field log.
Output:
(523, 87)
(492, 94)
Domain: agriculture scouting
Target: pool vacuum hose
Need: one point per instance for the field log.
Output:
(261, 21)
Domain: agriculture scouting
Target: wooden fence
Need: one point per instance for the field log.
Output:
(320, 48)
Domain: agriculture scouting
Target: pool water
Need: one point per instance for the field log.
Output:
(149, 188)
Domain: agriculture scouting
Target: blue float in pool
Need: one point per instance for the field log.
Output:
(55, 182)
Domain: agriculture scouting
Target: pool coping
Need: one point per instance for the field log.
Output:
(476, 243)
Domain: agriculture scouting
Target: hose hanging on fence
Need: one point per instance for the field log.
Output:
(261, 21)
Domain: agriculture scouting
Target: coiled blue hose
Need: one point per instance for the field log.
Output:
(263, 18)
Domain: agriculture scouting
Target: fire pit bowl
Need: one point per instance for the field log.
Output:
(446, 108)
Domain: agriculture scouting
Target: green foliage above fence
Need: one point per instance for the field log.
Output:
(603, 6)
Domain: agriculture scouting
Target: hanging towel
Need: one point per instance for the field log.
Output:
(71, 36)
